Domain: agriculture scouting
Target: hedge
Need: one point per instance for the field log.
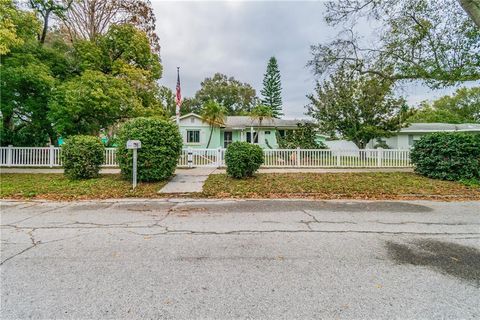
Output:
(158, 156)
(82, 157)
(448, 156)
(243, 159)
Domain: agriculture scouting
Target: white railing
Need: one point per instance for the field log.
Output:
(274, 158)
(110, 157)
(202, 158)
(326, 158)
(43, 157)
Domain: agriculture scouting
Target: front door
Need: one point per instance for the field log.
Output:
(227, 138)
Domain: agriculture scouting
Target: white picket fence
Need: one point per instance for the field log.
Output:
(274, 158)
(43, 157)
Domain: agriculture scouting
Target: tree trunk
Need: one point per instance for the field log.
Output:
(45, 27)
(361, 145)
(472, 8)
(53, 137)
(7, 129)
(255, 133)
(210, 137)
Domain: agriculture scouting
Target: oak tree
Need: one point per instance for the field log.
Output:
(357, 107)
(415, 40)
(235, 96)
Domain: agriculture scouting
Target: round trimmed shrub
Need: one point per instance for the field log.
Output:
(82, 157)
(447, 156)
(243, 159)
(158, 156)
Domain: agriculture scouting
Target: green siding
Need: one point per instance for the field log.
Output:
(204, 135)
(265, 141)
(269, 140)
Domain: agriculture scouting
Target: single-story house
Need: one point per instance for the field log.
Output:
(406, 137)
(196, 132)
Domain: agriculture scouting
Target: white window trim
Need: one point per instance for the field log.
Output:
(190, 142)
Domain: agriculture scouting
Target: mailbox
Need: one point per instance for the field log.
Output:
(134, 144)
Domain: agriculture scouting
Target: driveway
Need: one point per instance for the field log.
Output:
(184, 259)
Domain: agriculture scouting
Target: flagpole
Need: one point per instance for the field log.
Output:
(177, 113)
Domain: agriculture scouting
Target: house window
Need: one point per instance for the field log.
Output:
(249, 137)
(412, 139)
(193, 136)
(227, 138)
(267, 132)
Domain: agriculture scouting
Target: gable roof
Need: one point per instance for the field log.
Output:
(188, 115)
(445, 127)
(247, 121)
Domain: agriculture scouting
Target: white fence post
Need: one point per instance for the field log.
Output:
(190, 157)
(9, 155)
(52, 156)
(379, 157)
(298, 157)
(338, 158)
(220, 157)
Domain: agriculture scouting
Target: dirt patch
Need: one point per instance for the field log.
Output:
(459, 261)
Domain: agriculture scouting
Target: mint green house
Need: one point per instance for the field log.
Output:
(195, 131)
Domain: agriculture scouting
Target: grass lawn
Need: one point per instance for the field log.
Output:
(57, 187)
(392, 185)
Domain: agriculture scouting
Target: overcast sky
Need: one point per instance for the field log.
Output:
(237, 39)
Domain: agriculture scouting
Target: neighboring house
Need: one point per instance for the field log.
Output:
(406, 137)
(342, 147)
(195, 131)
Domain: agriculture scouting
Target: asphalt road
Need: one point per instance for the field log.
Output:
(183, 259)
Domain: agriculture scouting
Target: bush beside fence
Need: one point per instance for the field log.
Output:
(274, 158)
(448, 156)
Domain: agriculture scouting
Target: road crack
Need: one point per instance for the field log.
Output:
(34, 244)
(40, 213)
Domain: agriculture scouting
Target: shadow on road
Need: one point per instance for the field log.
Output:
(453, 259)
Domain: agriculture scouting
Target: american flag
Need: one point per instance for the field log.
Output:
(178, 97)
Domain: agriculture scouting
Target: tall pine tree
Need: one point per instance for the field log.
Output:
(272, 88)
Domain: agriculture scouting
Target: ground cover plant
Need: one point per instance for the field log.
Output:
(58, 187)
(391, 185)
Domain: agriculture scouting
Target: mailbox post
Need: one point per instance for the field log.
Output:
(134, 145)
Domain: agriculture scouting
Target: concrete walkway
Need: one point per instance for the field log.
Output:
(187, 180)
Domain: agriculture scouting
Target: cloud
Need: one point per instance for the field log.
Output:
(237, 39)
